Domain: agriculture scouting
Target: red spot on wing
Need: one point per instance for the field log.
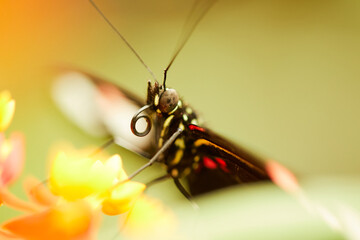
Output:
(209, 163)
(222, 164)
(194, 127)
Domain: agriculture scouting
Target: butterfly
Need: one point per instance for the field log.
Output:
(163, 127)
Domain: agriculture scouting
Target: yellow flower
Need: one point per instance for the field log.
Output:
(103, 182)
(74, 177)
(7, 109)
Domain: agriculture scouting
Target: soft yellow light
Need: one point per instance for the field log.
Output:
(7, 109)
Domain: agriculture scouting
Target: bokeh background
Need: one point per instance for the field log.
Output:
(278, 77)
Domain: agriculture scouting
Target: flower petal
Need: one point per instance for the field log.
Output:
(8, 236)
(115, 163)
(122, 198)
(12, 201)
(71, 220)
(38, 193)
(12, 155)
(7, 109)
(75, 177)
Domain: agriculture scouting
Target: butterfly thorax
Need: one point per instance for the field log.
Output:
(169, 114)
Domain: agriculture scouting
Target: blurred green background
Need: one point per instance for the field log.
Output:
(278, 77)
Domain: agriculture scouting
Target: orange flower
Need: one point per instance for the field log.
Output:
(7, 109)
(80, 189)
(67, 220)
(50, 217)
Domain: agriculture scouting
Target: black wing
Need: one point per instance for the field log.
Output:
(221, 163)
(101, 109)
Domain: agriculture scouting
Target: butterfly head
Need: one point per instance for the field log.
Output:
(165, 101)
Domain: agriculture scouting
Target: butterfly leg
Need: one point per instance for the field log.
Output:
(102, 147)
(185, 193)
(157, 180)
(166, 145)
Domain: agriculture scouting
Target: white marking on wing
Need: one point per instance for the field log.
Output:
(99, 109)
(75, 95)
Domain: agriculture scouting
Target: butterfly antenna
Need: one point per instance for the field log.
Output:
(122, 38)
(198, 11)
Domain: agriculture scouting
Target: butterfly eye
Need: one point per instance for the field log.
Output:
(168, 101)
